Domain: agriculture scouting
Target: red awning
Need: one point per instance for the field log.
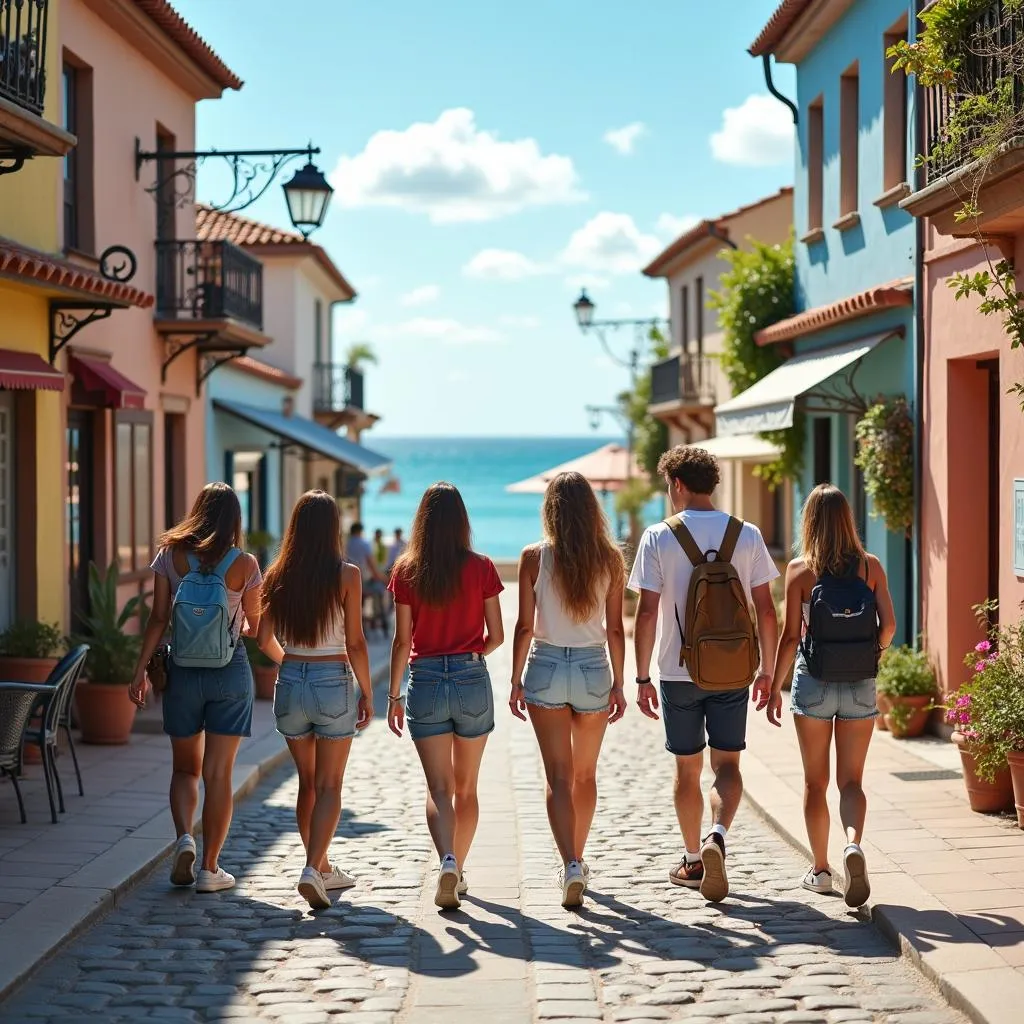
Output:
(117, 390)
(25, 371)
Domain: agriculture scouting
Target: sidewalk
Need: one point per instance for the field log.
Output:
(948, 884)
(55, 879)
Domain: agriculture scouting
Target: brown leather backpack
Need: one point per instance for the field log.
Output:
(719, 643)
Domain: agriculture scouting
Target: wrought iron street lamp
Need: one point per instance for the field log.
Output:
(307, 195)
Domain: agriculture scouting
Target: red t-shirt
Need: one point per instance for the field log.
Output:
(457, 627)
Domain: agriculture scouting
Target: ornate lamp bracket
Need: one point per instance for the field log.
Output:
(204, 367)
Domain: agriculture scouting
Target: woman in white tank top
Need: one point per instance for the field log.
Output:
(312, 626)
(570, 618)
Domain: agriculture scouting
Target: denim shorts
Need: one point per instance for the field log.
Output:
(217, 700)
(575, 677)
(449, 693)
(691, 714)
(316, 697)
(813, 698)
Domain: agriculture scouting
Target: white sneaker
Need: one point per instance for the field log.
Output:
(337, 879)
(446, 895)
(857, 888)
(183, 864)
(463, 887)
(585, 868)
(312, 889)
(214, 881)
(573, 885)
(818, 881)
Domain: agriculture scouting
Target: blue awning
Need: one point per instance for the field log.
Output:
(307, 434)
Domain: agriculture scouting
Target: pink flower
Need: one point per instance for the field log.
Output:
(984, 647)
(981, 666)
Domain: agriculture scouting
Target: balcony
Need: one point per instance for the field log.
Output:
(684, 382)
(338, 396)
(986, 64)
(23, 42)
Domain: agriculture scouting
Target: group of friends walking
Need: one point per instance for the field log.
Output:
(698, 575)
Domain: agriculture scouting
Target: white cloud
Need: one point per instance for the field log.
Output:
(421, 296)
(671, 226)
(610, 243)
(592, 282)
(350, 319)
(758, 133)
(453, 171)
(502, 265)
(623, 140)
(525, 323)
(443, 329)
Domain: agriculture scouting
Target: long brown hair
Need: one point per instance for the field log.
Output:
(212, 528)
(828, 532)
(438, 546)
(585, 556)
(302, 588)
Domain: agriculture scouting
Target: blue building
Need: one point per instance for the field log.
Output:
(857, 255)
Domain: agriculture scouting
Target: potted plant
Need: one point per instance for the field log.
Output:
(105, 712)
(906, 680)
(29, 651)
(264, 671)
(259, 544)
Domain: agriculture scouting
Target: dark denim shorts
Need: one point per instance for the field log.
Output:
(691, 714)
(449, 694)
(217, 700)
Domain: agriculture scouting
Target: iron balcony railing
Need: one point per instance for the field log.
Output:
(989, 45)
(336, 387)
(692, 380)
(23, 52)
(208, 281)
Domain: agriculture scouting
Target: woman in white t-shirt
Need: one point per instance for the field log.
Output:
(570, 618)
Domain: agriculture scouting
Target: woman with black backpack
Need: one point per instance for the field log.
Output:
(839, 616)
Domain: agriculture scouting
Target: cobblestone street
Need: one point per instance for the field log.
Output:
(640, 950)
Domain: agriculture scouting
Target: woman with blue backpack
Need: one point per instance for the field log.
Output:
(839, 617)
(206, 589)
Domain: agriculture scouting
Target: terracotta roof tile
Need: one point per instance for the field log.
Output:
(785, 16)
(264, 371)
(186, 37)
(886, 296)
(18, 261)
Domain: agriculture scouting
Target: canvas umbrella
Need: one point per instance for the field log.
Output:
(607, 470)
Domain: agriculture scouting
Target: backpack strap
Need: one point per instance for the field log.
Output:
(193, 562)
(221, 568)
(732, 535)
(686, 541)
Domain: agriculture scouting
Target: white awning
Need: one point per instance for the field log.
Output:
(768, 405)
(740, 448)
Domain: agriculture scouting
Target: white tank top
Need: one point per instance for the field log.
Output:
(332, 644)
(552, 623)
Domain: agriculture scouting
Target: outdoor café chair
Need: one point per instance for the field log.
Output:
(17, 701)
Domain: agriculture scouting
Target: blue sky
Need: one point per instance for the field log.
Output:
(490, 158)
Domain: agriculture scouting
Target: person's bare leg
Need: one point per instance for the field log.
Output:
(186, 770)
(435, 753)
(553, 727)
(331, 759)
(815, 737)
(852, 741)
(466, 757)
(303, 751)
(727, 790)
(587, 736)
(689, 800)
(218, 803)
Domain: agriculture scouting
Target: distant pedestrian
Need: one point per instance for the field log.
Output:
(398, 545)
(570, 608)
(360, 553)
(312, 627)
(380, 549)
(448, 619)
(708, 653)
(207, 706)
(839, 615)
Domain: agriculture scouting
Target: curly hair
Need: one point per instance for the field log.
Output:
(694, 467)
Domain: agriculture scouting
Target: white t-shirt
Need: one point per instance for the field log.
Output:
(662, 566)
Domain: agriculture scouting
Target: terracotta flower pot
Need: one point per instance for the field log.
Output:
(913, 721)
(984, 797)
(105, 712)
(264, 678)
(26, 670)
(884, 705)
(1016, 763)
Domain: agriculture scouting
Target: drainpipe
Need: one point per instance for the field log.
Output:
(766, 61)
(915, 609)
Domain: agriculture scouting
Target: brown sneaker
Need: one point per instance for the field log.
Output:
(687, 874)
(714, 886)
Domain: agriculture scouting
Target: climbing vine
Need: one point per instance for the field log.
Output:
(758, 290)
(885, 454)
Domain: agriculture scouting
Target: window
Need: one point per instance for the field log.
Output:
(166, 200)
(894, 114)
(815, 164)
(174, 468)
(698, 310)
(78, 191)
(133, 485)
(822, 459)
(70, 160)
(684, 316)
(849, 136)
(318, 332)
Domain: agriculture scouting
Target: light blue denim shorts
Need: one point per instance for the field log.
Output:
(568, 677)
(318, 698)
(450, 693)
(813, 698)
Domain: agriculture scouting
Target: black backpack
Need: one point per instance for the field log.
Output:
(840, 643)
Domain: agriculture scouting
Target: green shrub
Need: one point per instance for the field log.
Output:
(905, 672)
(31, 640)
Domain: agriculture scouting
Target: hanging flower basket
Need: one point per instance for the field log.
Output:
(885, 454)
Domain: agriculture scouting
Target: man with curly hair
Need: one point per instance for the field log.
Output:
(695, 717)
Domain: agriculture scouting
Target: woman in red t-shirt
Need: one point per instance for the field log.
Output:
(447, 619)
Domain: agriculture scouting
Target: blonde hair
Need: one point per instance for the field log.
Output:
(828, 532)
(585, 556)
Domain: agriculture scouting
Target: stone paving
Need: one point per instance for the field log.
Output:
(640, 950)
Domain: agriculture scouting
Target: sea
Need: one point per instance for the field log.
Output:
(503, 524)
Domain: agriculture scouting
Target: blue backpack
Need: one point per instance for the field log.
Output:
(201, 626)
